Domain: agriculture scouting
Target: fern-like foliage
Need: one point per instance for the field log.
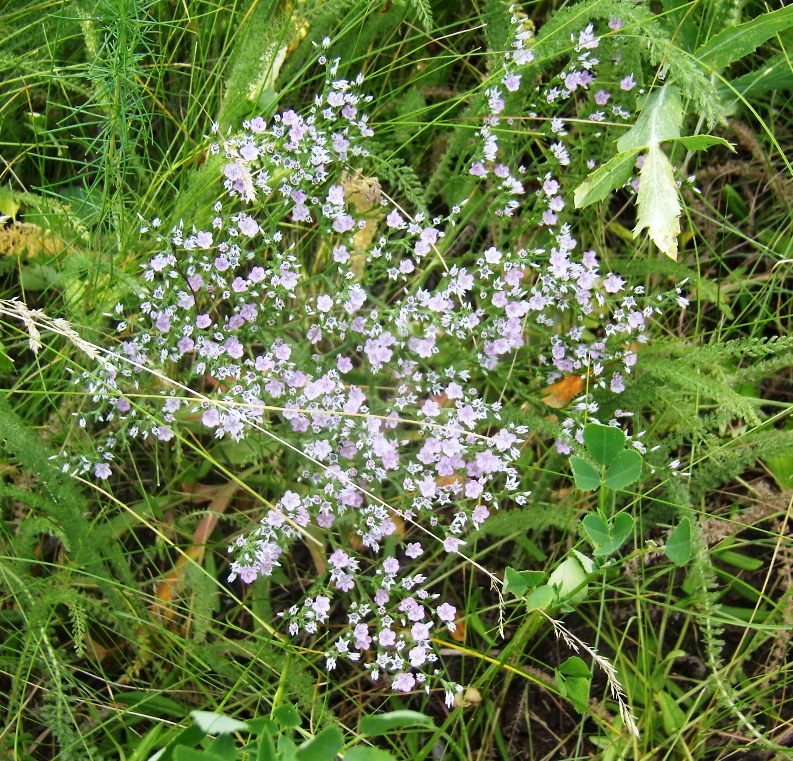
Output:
(653, 40)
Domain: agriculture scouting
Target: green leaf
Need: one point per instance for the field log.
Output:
(625, 469)
(573, 678)
(575, 666)
(672, 715)
(658, 203)
(622, 529)
(518, 582)
(781, 467)
(703, 142)
(659, 120)
(608, 540)
(605, 179)
(265, 747)
(287, 716)
(603, 442)
(586, 475)
(678, 546)
(216, 723)
(324, 747)
(364, 753)
(388, 722)
(738, 41)
(224, 745)
(597, 529)
(541, 598)
(182, 753)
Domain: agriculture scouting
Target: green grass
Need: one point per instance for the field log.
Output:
(116, 619)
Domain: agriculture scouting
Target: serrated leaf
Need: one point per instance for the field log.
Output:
(624, 470)
(659, 120)
(703, 142)
(586, 475)
(738, 41)
(603, 442)
(658, 203)
(324, 747)
(678, 546)
(216, 723)
(388, 722)
(605, 179)
(541, 598)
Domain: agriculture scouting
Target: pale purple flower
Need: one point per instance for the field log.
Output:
(404, 682)
(102, 470)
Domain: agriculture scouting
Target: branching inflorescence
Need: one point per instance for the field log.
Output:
(312, 309)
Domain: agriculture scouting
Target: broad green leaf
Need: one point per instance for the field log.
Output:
(606, 178)
(183, 753)
(703, 142)
(603, 442)
(678, 546)
(622, 527)
(573, 678)
(324, 747)
(586, 475)
(518, 582)
(388, 722)
(541, 598)
(216, 723)
(658, 204)
(614, 536)
(265, 747)
(624, 470)
(597, 529)
(659, 120)
(225, 746)
(287, 716)
(575, 666)
(364, 753)
(286, 749)
(738, 41)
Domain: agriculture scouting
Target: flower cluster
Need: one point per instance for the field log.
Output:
(311, 309)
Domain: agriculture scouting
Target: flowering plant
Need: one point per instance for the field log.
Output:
(313, 310)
